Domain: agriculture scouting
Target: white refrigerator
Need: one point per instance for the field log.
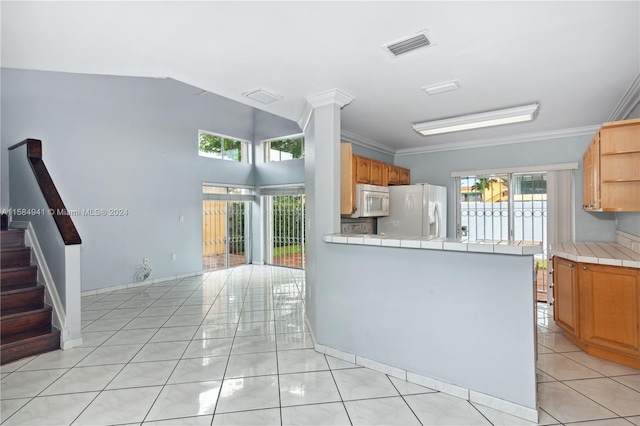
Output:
(419, 210)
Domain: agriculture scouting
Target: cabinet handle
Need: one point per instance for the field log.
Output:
(571, 265)
(584, 268)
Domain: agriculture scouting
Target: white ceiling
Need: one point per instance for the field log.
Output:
(576, 59)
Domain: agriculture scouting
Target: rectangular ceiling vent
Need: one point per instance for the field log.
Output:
(409, 44)
(262, 96)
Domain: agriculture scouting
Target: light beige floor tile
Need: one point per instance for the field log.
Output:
(119, 406)
(630, 381)
(604, 367)
(52, 410)
(185, 400)
(442, 409)
(316, 414)
(563, 368)
(567, 405)
(268, 417)
(610, 394)
(556, 342)
(386, 411)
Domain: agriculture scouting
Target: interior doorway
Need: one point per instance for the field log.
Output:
(507, 206)
(226, 219)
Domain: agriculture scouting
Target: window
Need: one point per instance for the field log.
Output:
(282, 149)
(223, 147)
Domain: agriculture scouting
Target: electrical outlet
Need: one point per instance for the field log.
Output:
(145, 261)
(181, 219)
(174, 256)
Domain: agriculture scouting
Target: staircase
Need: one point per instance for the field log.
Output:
(25, 320)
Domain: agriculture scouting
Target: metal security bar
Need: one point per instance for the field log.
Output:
(225, 229)
(506, 207)
(285, 239)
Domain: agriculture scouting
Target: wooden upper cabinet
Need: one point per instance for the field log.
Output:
(375, 172)
(363, 169)
(591, 171)
(357, 169)
(612, 168)
(399, 175)
(405, 176)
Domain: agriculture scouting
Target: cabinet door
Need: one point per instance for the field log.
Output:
(405, 176)
(609, 307)
(375, 172)
(565, 295)
(347, 180)
(394, 175)
(591, 174)
(363, 169)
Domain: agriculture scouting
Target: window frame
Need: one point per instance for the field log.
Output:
(266, 144)
(246, 147)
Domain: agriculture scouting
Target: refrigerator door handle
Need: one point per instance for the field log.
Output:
(436, 212)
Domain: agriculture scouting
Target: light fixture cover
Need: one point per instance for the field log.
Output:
(476, 121)
(262, 96)
(446, 86)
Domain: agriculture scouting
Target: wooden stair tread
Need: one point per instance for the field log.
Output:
(30, 345)
(13, 287)
(26, 335)
(47, 308)
(29, 288)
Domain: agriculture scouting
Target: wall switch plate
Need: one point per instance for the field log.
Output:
(174, 256)
(181, 219)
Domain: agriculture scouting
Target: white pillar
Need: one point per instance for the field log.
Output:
(321, 124)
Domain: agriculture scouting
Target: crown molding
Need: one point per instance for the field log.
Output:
(305, 116)
(628, 101)
(367, 143)
(330, 97)
(529, 137)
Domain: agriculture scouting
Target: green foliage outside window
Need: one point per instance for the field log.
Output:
(220, 147)
(277, 150)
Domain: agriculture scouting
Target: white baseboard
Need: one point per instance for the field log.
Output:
(74, 343)
(136, 284)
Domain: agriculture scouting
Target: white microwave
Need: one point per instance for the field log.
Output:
(371, 201)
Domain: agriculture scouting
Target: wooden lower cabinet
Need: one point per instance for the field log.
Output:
(565, 295)
(598, 306)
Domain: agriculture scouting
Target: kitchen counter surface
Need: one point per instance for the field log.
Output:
(520, 248)
(604, 253)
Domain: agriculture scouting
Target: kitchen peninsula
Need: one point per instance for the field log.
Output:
(454, 316)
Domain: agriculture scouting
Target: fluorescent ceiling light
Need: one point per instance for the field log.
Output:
(476, 121)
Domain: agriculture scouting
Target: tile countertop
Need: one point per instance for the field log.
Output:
(604, 253)
(448, 244)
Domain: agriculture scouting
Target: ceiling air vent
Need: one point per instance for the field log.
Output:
(409, 44)
(262, 96)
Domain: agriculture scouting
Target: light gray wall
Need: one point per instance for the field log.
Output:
(428, 312)
(129, 143)
(435, 168)
(629, 223)
(371, 153)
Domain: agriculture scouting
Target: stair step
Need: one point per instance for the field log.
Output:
(19, 275)
(12, 238)
(15, 324)
(31, 343)
(11, 257)
(21, 300)
(11, 287)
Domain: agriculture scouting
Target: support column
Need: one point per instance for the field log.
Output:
(321, 124)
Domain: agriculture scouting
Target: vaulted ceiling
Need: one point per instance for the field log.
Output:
(578, 60)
